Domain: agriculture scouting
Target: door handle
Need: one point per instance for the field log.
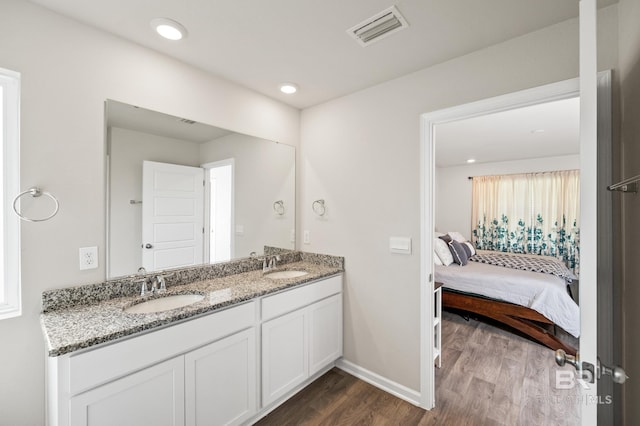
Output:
(148, 246)
(617, 374)
(562, 358)
(584, 369)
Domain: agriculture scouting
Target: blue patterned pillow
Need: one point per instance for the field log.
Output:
(458, 252)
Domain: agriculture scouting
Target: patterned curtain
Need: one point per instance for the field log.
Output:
(537, 213)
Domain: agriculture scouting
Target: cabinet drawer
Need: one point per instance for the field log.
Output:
(92, 368)
(290, 300)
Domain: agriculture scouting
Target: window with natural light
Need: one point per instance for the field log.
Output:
(10, 304)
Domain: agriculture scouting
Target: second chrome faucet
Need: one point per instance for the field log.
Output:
(269, 263)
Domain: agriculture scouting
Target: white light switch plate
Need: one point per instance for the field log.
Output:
(400, 245)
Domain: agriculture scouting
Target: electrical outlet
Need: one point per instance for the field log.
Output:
(306, 238)
(88, 258)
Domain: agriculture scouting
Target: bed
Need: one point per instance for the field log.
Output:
(521, 299)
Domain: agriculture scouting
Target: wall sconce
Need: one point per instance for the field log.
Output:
(318, 207)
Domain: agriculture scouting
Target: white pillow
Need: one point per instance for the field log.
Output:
(436, 259)
(442, 250)
(437, 234)
(457, 237)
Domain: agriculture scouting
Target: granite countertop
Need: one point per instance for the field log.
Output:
(68, 329)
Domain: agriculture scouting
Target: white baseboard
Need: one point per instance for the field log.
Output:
(389, 386)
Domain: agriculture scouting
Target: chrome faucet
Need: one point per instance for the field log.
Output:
(158, 283)
(154, 285)
(160, 279)
(143, 288)
(269, 263)
(142, 272)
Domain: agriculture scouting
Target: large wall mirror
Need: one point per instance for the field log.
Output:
(182, 193)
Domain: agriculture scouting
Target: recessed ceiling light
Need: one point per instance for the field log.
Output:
(288, 88)
(168, 28)
(471, 160)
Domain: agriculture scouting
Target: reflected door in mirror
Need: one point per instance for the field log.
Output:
(172, 215)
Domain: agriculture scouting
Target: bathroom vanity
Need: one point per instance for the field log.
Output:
(250, 344)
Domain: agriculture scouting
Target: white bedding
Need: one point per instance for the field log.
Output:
(544, 293)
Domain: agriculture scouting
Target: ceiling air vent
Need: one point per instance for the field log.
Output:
(186, 121)
(378, 26)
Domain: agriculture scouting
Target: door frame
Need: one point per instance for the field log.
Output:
(548, 93)
(207, 205)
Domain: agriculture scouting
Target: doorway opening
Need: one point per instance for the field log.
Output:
(433, 126)
(592, 189)
(219, 235)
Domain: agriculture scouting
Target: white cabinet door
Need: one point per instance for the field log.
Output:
(220, 381)
(285, 356)
(325, 332)
(153, 396)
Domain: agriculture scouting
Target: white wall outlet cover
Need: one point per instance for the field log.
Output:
(239, 229)
(400, 245)
(305, 237)
(88, 257)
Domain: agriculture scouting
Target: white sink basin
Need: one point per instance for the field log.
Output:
(164, 304)
(285, 274)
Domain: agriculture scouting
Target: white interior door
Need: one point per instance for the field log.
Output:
(172, 215)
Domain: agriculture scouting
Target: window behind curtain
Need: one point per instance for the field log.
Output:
(10, 305)
(536, 213)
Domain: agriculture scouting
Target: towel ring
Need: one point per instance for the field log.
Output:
(318, 207)
(278, 207)
(35, 192)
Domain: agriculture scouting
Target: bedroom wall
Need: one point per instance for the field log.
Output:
(361, 153)
(453, 188)
(68, 70)
(629, 78)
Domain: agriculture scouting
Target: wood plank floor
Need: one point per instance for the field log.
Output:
(488, 377)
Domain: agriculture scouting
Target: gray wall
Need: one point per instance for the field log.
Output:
(629, 78)
(68, 71)
(361, 153)
(264, 173)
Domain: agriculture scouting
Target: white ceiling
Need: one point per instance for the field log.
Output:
(511, 135)
(260, 44)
